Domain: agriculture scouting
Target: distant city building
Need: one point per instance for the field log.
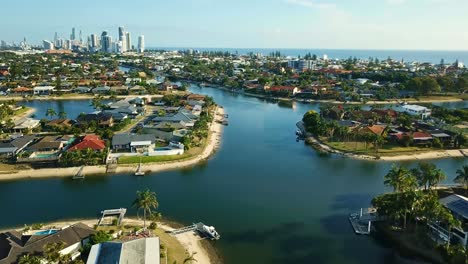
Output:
(48, 45)
(73, 34)
(141, 44)
(325, 57)
(94, 41)
(122, 40)
(3, 45)
(106, 42)
(128, 41)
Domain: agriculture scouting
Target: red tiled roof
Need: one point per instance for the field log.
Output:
(282, 88)
(93, 142)
(417, 135)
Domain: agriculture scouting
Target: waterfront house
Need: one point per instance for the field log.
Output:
(43, 90)
(183, 117)
(101, 90)
(102, 119)
(82, 90)
(93, 142)
(25, 125)
(60, 123)
(284, 89)
(143, 250)
(132, 142)
(119, 89)
(14, 244)
(23, 91)
(11, 148)
(415, 110)
(458, 206)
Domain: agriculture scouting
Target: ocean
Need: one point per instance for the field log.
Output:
(407, 55)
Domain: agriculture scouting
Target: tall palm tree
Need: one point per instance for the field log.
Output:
(428, 175)
(51, 112)
(146, 201)
(462, 176)
(396, 178)
(190, 258)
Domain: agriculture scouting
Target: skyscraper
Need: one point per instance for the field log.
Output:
(48, 45)
(141, 44)
(121, 33)
(128, 41)
(81, 37)
(106, 42)
(122, 40)
(73, 34)
(55, 37)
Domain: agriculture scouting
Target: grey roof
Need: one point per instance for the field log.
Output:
(457, 204)
(180, 116)
(139, 251)
(14, 244)
(125, 139)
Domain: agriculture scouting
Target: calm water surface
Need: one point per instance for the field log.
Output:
(272, 199)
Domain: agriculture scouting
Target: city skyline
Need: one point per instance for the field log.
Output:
(333, 24)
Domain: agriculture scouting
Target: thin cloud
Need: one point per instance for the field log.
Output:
(311, 4)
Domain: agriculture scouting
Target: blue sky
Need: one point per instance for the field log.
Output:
(329, 24)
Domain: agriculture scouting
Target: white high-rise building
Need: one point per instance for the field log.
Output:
(48, 45)
(128, 40)
(141, 44)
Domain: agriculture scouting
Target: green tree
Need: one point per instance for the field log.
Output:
(62, 114)
(428, 175)
(30, 259)
(397, 178)
(51, 112)
(462, 176)
(146, 201)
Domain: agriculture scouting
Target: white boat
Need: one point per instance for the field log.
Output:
(210, 231)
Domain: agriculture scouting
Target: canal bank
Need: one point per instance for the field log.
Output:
(273, 200)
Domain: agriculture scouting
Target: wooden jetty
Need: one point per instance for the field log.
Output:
(120, 213)
(79, 174)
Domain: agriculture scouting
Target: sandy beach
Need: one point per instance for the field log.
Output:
(214, 141)
(190, 241)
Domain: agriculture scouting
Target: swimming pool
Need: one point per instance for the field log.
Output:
(46, 232)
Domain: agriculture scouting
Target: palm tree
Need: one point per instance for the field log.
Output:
(190, 258)
(51, 112)
(62, 115)
(396, 178)
(52, 252)
(428, 175)
(147, 201)
(29, 259)
(462, 176)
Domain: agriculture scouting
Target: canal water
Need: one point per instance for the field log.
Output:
(273, 200)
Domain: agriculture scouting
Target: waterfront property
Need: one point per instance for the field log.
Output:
(15, 244)
(458, 206)
(143, 251)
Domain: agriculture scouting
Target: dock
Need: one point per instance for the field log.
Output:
(79, 174)
(362, 221)
(206, 231)
(120, 213)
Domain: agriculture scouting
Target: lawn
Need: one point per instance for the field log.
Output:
(155, 159)
(21, 111)
(386, 150)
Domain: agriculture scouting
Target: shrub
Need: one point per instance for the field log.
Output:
(153, 225)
